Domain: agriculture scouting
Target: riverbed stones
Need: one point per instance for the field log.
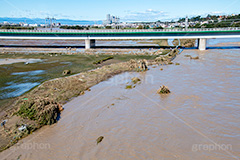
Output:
(99, 140)
(163, 90)
(135, 80)
(194, 57)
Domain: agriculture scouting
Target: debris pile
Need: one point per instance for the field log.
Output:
(163, 90)
(66, 72)
(44, 111)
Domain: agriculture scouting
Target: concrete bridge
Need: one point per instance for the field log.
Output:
(90, 36)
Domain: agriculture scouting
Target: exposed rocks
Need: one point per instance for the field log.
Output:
(191, 56)
(194, 57)
(177, 64)
(143, 65)
(128, 87)
(99, 140)
(163, 90)
(66, 72)
(135, 80)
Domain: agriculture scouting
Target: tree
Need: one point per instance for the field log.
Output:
(158, 27)
(140, 27)
(108, 27)
(146, 27)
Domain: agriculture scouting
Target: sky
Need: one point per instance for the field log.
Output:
(127, 10)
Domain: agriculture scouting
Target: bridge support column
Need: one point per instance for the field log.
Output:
(202, 43)
(89, 43)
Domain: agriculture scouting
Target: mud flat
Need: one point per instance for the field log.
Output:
(11, 61)
(200, 114)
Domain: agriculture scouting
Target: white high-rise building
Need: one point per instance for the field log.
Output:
(111, 20)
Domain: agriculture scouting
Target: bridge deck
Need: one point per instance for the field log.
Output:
(143, 31)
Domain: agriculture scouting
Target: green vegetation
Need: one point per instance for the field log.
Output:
(128, 87)
(158, 27)
(214, 21)
(43, 111)
(15, 27)
(103, 60)
(135, 80)
(74, 27)
(108, 27)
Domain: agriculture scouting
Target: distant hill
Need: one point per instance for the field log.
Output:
(42, 21)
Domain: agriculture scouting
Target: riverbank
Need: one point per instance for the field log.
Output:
(51, 65)
(138, 123)
(42, 105)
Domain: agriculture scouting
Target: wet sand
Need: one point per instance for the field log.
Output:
(202, 109)
(11, 61)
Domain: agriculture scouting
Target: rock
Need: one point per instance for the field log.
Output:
(22, 128)
(187, 55)
(161, 69)
(66, 72)
(81, 93)
(143, 65)
(82, 80)
(135, 80)
(177, 64)
(163, 90)
(194, 57)
(99, 139)
(128, 87)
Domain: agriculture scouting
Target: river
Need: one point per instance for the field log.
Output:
(199, 119)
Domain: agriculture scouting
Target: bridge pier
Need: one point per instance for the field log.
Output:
(202, 43)
(89, 43)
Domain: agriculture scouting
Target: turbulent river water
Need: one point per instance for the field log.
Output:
(199, 119)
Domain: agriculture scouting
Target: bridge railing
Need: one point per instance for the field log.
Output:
(119, 30)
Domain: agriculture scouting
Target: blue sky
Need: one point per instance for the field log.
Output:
(127, 10)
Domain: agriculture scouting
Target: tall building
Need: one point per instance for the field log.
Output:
(111, 20)
(108, 17)
(186, 22)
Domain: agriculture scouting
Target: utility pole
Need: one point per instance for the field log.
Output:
(51, 21)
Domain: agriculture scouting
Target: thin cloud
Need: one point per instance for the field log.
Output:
(147, 15)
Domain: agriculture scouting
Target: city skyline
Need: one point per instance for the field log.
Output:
(141, 10)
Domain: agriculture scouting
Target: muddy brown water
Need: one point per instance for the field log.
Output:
(202, 111)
